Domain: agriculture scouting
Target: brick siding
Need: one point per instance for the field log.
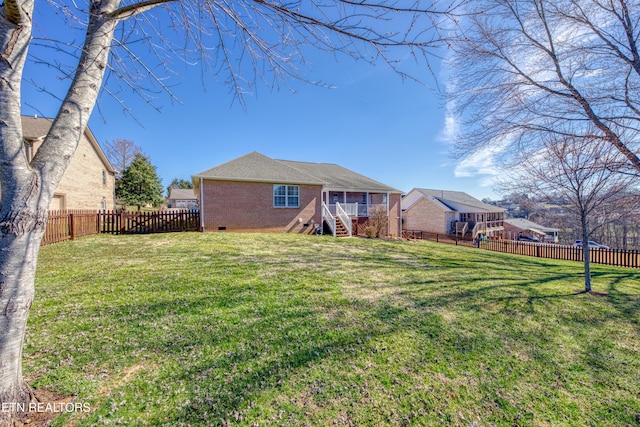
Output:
(248, 206)
(82, 186)
(425, 216)
(395, 215)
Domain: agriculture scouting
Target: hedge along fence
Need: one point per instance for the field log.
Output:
(70, 224)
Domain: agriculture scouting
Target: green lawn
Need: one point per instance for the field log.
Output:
(278, 329)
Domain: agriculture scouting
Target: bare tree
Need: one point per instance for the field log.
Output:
(379, 220)
(580, 172)
(241, 43)
(527, 68)
(525, 205)
(121, 153)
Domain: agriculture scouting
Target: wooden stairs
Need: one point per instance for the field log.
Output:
(341, 229)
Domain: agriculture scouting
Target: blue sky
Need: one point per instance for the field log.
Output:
(371, 121)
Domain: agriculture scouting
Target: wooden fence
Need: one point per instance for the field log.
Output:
(70, 224)
(615, 257)
(118, 222)
(438, 238)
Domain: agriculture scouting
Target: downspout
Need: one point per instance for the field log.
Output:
(400, 217)
(202, 204)
(388, 222)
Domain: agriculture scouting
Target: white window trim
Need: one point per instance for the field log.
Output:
(286, 196)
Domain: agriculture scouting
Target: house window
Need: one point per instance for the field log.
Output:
(335, 198)
(104, 177)
(384, 198)
(286, 196)
(364, 199)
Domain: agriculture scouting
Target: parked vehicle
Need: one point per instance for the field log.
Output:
(591, 244)
(527, 239)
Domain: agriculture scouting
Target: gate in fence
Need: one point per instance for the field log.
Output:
(119, 222)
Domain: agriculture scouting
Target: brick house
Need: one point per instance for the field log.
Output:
(88, 182)
(182, 198)
(450, 212)
(519, 227)
(257, 193)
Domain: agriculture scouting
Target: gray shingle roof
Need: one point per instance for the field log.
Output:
(447, 197)
(35, 127)
(38, 127)
(182, 194)
(258, 167)
(338, 177)
(525, 224)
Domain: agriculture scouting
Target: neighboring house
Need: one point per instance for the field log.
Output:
(520, 227)
(450, 212)
(88, 182)
(256, 192)
(180, 198)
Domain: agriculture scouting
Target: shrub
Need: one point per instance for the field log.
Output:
(379, 220)
(371, 232)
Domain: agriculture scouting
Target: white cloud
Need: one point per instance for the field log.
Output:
(485, 164)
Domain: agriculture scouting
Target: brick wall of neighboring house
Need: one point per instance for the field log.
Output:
(395, 215)
(425, 216)
(511, 232)
(248, 206)
(87, 183)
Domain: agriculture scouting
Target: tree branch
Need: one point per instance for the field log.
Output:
(136, 8)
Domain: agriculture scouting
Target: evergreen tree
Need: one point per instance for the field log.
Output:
(140, 184)
(179, 183)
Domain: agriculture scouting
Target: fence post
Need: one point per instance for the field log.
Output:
(72, 228)
(123, 222)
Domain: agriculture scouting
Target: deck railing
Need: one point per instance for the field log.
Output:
(356, 209)
(479, 228)
(344, 217)
(328, 217)
(462, 228)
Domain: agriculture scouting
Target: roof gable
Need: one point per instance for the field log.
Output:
(182, 194)
(258, 167)
(525, 224)
(457, 201)
(38, 128)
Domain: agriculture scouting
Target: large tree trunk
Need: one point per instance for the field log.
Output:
(18, 257)
(27, 188)
(20, 228)
(586, 253)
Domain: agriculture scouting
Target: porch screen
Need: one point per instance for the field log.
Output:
(286, 196)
